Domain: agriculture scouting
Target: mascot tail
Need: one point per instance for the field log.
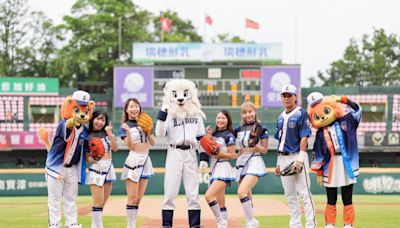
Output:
(43, 134)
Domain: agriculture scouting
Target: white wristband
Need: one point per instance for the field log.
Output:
(302, 156)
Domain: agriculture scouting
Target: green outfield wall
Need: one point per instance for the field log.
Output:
(31, 182)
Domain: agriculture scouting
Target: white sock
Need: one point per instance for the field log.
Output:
(131, 212)
(97, 217)
(215, 209)
(224, 213)
(247, 208)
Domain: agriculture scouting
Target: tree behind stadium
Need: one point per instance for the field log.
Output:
(374, 61)
(95, 25)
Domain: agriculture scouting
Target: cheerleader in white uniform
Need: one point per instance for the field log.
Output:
(138, 167)
(222, 172)
(249, 164)
(101, 173)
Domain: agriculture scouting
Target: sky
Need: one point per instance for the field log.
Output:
(313, 33)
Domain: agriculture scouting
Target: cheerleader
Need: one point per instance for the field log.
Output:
(249, 164)
(138, 167)
(222, 172)
(101, 173)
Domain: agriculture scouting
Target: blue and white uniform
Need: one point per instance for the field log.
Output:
(138, 164)
(65, 167)
(290, 129)
(322, 158)
(221, 169)
(249, 163)
(103, 170)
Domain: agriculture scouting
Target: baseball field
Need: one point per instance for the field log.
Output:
(271, 211)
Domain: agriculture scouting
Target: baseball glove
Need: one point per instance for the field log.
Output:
(291, 169)
(255, 135)
(209, 145)
(96, 148)
(145, 122)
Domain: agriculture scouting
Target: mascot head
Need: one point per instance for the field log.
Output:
(180, 98)
(323, 110)
(78, 106)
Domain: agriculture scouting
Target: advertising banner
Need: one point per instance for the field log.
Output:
(133, 82)
(30, 184)
(272, 81)
(204, 52)
(19, 141)
(379, 139)
(28, 86)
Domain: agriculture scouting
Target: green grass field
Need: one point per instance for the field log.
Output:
(371, 211)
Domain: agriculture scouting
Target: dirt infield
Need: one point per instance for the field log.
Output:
(150, 209)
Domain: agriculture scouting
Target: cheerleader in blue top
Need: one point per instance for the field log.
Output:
(101, 173)
(138, 167)
(249, 165)
(222, 172)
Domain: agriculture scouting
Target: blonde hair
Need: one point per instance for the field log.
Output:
(250, 104)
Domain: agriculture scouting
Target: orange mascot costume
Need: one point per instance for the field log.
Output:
(335, 153)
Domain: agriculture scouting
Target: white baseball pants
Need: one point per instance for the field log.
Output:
(64, 188)
(299, 183)
(181, 164)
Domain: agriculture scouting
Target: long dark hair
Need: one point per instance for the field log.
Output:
(228, 125)
(125, 114)
(95, 115)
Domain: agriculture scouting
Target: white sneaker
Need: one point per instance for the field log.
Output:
(55, 226)
(75, 226)
(131, 225)
(252, 223)
(97, 226)
(222, 223)
(348, 226)
(330, 226)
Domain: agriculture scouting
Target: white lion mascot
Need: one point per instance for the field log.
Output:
(181, 119)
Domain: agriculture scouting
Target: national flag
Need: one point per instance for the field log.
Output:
(165, 24)
(252, 24)
(208, 20)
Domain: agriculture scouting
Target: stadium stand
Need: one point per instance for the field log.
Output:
(11, 109)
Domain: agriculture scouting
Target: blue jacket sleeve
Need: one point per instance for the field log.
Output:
(318, 159)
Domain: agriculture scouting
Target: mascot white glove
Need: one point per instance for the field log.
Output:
(164, 108)
(203, 165)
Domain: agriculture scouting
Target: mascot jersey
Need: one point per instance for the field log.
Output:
(291, 127)
(183, 132)
(348, 125)
(65, 141)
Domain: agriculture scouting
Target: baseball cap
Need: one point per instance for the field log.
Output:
(81, 97)
(314, 98)
(289, 89)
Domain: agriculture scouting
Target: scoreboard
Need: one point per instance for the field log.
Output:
(219, 85)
